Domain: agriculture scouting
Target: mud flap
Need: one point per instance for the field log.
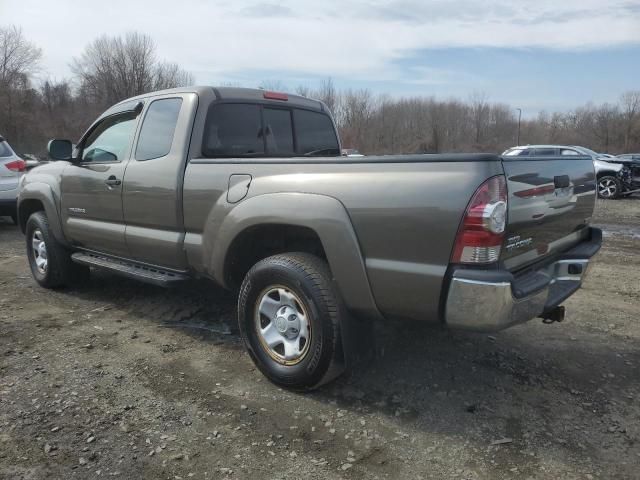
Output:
(356, 347)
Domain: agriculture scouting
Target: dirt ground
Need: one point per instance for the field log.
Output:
(119, 379)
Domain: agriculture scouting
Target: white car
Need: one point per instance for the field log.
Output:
(12, 168)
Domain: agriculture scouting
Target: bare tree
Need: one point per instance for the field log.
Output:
(604, 121)
(114, 68)
(630, 115)
(19, 59)
(480, 112)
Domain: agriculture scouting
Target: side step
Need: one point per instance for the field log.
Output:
(137, 271)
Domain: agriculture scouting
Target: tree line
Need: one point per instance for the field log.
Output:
(114, 68)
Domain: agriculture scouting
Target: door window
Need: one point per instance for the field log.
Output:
(158, 128)
(546, 152)
(566, 151)
(110, 141)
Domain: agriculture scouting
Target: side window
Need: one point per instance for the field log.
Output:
(278, 131)
(315, 134)
(158, 128)
(566, 151)
(516, 152)
(546, 152)
(233, 130)
(110, 140)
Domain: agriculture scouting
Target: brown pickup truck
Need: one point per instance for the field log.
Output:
(248, 188)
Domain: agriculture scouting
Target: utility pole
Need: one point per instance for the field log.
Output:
(519, 118)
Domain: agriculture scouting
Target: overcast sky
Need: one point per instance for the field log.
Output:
(542, 54)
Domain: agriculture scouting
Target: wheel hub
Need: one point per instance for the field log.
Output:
(39, 249)
(607, 188)
(282, 325)
(287, 322)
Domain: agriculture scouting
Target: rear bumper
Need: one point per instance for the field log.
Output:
(491, 300)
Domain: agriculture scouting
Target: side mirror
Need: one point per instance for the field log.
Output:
(60, 149)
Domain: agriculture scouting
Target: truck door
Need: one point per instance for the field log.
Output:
(152, 189)
(91, 187)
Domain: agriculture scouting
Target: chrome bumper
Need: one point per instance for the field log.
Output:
(488, 301)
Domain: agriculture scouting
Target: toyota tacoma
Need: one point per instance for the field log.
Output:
(248, 188)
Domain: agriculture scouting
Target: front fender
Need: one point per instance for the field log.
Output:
(324, 215)
(43, 193)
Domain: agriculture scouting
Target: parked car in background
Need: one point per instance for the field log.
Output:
(248, 188)
(30, 160)
(631, 164)
(614, 178)
(629, 156)
(11, 169)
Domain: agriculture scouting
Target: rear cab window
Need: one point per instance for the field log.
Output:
(257, 130)
(315, 133)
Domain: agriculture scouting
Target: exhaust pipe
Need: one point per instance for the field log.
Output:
(556, 314)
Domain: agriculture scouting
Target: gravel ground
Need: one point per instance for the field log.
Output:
(118, 379)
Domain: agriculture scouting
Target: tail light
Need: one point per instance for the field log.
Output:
(481, 232)
(16, 166)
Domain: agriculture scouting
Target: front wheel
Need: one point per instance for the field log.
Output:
(609, 187)
(50, 262)
(289, 317)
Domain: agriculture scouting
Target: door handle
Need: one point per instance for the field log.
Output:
(112, 181)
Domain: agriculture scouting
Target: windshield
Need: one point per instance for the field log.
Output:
(5, 150)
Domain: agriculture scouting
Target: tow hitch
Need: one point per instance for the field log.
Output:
(556, 314)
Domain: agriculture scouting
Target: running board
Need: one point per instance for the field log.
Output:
(130, 269)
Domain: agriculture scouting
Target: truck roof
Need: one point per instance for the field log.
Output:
(239, 94)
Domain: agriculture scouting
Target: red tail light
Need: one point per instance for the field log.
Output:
(276, 96)
(16, 166)
(481, 232)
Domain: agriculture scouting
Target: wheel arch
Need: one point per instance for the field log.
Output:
(327, 233)
(34, 197)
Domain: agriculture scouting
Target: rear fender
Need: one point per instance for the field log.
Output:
(331, 223)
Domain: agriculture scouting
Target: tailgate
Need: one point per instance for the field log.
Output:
(551, 201)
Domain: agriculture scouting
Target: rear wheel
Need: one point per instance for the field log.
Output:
(289, 316)
(50, 262)
(609, 187)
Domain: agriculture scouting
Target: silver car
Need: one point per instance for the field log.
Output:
(612, 177)
(12, 168)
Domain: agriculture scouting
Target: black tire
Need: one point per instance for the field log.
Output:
(609, 187)
(60, 270)
(310, 280)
